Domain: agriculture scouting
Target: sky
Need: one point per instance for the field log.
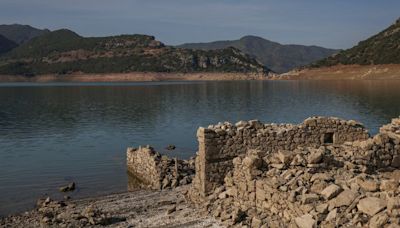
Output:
(328, 23)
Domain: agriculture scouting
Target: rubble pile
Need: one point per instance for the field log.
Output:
(353, 184)
(157, 171)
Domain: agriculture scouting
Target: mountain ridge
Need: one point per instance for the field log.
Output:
(64, 52)
(21, 33)
(381, 48)
(278, 57)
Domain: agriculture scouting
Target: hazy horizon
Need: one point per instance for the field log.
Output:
(339, 24)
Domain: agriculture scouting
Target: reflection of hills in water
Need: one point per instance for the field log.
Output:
(134, 183)
(50, 132)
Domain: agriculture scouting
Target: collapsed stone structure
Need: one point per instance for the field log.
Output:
(220, 144)
(156, 171)
(323, 172)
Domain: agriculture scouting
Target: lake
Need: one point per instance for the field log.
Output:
(55, 133)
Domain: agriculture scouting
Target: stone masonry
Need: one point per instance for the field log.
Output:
(220, 144)
(156, 171)
(348, 180)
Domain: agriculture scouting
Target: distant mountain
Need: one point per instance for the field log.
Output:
(382, 48)
(6, 44)
(65, 52)
(279, 58)
(21, 33)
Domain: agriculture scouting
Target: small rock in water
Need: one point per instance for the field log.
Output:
(171, 147)
(70, 187)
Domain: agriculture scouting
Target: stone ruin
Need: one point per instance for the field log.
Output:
(220, 144)
(156, 171)
(324, 172)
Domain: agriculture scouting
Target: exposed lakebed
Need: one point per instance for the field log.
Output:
(55, 133)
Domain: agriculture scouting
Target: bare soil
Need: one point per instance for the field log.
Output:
(345, 72)
(134, 77)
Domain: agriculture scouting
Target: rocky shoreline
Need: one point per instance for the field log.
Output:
(136, 77)
(143, 208)
(324, 172)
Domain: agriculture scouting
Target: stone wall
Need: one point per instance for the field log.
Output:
(355, 184)
(156, 171)
(220, 144)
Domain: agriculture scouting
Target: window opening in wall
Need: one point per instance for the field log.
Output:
(328, 138)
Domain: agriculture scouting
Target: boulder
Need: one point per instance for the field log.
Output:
(369, 185)
(345, 198)
(371, 205)
(305, 221)
(331, 215)
(378, 220)
(331, 191)
(389, 185)
(309, 198)
(315, 156)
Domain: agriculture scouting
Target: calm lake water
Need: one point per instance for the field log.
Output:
(51, 134)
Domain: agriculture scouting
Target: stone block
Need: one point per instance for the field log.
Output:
(371, 205)
(331, 191)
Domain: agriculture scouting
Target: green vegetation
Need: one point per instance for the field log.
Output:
(65, 52)
(383, 48)
(6, 44)
(21, 33)
(280, 58)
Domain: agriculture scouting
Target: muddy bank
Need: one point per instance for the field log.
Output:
(143, 208)
(345, 72)
(135, 77)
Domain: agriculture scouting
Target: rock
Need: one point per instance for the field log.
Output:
(256, 222)
(321, 177)
(170, 147)
(46, 219)
(331, 191)
(171, 209)
(369, 185)
(238, 216)
(393, 206)
(345, 198)
(305, 221)
(378, 220)
(241, 124)
(315, 156)
(252, 162)
(322, 208)
(331, 215)
(389, 185)
(284, 156)
(70, 187)
(396, 161)
(222, 195)
(371, 205)
(166, 183)
(309, 198)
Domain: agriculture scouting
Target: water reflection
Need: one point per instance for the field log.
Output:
(81, 131)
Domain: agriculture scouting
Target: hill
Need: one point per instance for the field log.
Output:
(382, 48)
(65, 52)
(279, 58)
(6, 44)
(21, 33)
